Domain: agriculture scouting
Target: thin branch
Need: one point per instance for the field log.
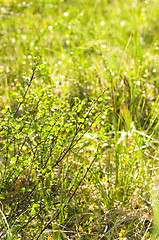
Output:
(31, 79)
(60, 210)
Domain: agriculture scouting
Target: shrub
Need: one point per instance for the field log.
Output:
(38, 140)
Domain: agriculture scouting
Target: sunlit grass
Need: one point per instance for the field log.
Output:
(80, 48)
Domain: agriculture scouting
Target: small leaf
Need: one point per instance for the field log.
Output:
(35, 205)
(32, 212)
(4, 111)
(2, 197)
(23, 190)
(42, 66)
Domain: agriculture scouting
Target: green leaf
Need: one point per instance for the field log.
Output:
(11, 148)
(32, 212)
(42, 66)
(36, 205)
(2, 197)
(23, 190)
(4, 111)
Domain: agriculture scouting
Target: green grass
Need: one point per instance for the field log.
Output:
(79, 121)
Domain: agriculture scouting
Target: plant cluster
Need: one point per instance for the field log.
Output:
(79, 119)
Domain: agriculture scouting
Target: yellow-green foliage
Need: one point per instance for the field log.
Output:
(79, 118)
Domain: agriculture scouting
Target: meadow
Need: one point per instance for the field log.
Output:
(79, 119)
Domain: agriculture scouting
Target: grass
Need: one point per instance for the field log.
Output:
(79, 119)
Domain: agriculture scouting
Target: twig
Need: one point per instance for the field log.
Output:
(148, 228)
(58, 213)
(31, 79)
